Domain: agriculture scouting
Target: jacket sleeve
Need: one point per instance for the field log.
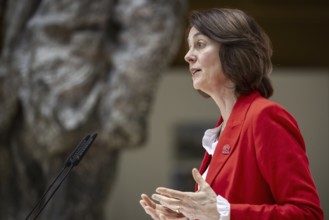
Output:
(282, 160)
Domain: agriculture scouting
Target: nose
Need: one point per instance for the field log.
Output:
(190, 58)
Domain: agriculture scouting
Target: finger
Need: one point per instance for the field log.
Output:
(171, 193)
(198, 178)
(158, 210)
(170, 203)
(168, 214)
(151, 212)
(148, 201)
(164, 217)
(143, 203)
(163, 211)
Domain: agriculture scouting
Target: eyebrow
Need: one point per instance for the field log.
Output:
(194, 35)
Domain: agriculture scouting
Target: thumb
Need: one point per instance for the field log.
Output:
(198, 178)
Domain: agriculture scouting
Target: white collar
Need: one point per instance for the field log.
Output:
(210, 139)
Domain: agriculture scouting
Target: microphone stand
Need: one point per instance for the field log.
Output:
(72, 161)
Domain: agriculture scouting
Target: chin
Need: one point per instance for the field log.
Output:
(203, 94)
(196, 85)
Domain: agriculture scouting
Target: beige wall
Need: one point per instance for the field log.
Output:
(304, 92)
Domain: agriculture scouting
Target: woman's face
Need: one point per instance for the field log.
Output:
(204, 63)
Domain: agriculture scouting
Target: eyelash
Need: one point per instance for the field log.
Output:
(199, 44)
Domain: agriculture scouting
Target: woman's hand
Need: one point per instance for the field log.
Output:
(194, 205)
(159, 212)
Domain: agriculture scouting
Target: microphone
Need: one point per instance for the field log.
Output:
(77, 155)
(73, 160)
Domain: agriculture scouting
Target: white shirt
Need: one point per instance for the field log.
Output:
(209, 142)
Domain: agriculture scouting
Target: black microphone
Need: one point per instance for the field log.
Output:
(77, 155)
(73, 160)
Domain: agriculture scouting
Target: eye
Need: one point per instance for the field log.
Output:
(200, 44)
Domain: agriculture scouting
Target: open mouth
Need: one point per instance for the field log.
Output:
(195, 71)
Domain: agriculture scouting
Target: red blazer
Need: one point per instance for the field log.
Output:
(260, 165)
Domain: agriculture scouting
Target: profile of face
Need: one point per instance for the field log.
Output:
(204, 63)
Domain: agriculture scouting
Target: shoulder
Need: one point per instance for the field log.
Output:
(263, 110)
(263, 104)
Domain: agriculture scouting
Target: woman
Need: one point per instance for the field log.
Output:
(255, 165)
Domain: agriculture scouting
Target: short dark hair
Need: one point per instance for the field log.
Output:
(245, 49)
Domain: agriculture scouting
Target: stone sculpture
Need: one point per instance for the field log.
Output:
(68, 68)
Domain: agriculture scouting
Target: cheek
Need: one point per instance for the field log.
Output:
(212, 62)
(214, 69)
(210, 58)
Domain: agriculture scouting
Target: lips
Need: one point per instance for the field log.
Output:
(193, 71)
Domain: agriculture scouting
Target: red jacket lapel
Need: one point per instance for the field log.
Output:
(228, 139)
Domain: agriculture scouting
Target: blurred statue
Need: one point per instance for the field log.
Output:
(68, 68)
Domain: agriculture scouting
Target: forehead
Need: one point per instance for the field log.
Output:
(193, 33)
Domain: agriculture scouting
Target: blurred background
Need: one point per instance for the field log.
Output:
(299, 31)
(171, 136)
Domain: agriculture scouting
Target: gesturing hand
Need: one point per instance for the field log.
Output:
(194, 205)
(159, 212)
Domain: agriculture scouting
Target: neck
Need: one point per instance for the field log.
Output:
(225, 102)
